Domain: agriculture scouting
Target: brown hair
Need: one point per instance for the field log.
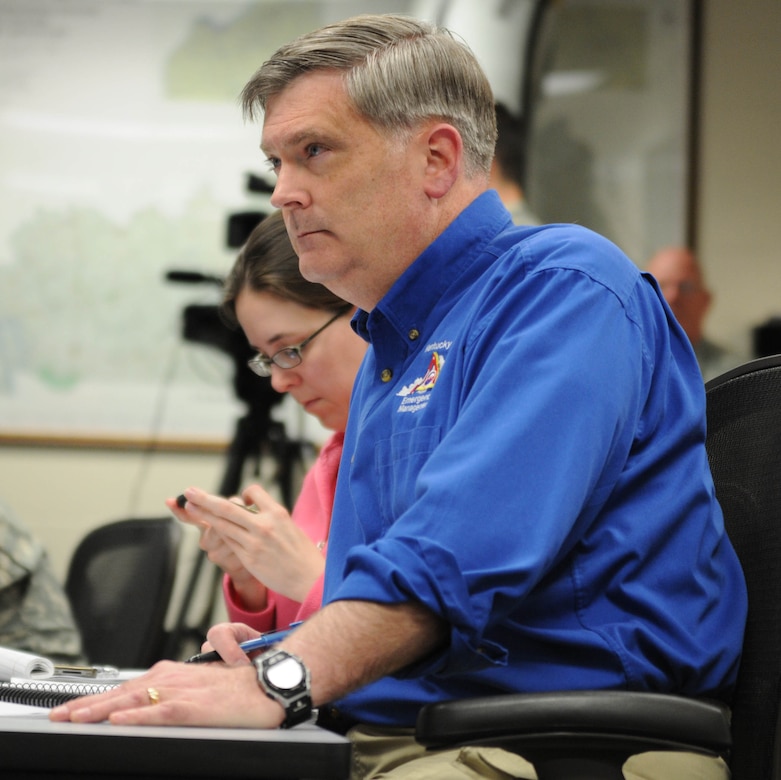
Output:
(267, 263)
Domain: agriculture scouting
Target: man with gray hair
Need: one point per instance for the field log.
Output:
(524, 501)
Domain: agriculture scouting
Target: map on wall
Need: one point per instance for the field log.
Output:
(122, 154)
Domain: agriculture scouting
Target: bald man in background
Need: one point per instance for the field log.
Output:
(680, 277)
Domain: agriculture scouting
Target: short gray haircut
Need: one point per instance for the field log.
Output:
(398, 72)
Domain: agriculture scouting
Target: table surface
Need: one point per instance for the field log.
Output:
(31, 746)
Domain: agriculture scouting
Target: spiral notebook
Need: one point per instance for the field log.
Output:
(34, 680)
(48, 693)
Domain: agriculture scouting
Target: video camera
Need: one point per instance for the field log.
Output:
(203, 324)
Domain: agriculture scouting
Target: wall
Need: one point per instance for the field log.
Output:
(62, 493)
(740, 166)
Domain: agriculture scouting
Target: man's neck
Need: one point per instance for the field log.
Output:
(441, 214)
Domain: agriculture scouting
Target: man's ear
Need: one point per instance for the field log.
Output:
(444, 160)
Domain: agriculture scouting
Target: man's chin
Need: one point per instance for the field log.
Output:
(313, 267)
(320, 268)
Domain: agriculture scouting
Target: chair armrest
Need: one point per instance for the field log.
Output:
(594, 722)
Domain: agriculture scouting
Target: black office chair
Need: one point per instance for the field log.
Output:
(119, 584)
(589, 735)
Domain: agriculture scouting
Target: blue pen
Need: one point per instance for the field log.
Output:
(259, 643)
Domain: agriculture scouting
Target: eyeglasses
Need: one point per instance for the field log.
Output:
(288, 357)
(685, 287)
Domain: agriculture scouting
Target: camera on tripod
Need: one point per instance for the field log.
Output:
(203, 324)
(256, 433)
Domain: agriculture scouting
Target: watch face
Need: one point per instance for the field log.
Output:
(286, 675)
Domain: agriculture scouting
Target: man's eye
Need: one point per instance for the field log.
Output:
(272, 163)
(313, 150)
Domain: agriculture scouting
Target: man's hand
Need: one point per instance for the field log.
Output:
(346, 645)
(186, 694)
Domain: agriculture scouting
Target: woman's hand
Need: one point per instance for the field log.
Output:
(251, 592)
(258, 550)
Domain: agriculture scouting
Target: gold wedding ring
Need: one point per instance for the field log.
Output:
(154, 695)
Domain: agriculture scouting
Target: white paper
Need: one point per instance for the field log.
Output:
(11, 710)
(14, 663)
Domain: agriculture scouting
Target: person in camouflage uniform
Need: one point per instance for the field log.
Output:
(35, 615)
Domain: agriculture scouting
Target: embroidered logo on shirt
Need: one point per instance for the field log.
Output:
(416, 394)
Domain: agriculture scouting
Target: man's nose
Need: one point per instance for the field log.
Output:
(289, 190)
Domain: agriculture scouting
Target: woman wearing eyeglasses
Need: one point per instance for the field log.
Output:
(274, 561)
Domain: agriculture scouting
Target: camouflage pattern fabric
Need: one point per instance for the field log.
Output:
(35, 614)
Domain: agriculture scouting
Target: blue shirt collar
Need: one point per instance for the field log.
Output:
(413, 298)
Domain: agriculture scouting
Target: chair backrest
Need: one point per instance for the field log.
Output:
(744, 450)
(119, 583)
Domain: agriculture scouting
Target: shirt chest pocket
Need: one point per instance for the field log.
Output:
(398, 461)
